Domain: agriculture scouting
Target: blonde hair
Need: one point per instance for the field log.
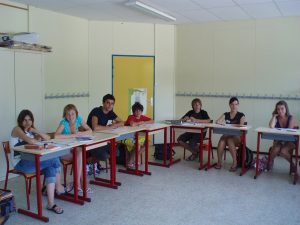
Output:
(68, 108)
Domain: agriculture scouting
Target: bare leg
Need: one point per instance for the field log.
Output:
(286, 151)
(50, 197)
(185, 145)
(232, 143)
(274, 151)
(221, 146)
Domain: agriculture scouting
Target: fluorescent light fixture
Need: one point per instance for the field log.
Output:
(151, 10)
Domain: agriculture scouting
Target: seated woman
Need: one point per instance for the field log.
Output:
(232, 117)
(26, 133)
(135, 120)
(281, 118)
(68, 128)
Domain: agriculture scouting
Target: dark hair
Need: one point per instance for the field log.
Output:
(196, 100)
(282, 102)
(232, 99)
(68, 108)
(137, 106)
(108, 97)
(22, 115)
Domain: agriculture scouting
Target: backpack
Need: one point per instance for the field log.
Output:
(7, 205)
(159, 152)
(121, 154)
(248, 157)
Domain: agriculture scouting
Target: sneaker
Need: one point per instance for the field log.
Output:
(99, 167)
(89, 169)
(97, 171)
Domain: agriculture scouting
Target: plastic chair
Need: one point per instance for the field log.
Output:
(27, 176)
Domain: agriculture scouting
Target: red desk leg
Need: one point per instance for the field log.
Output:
(209, 165)
(257, 155)
(201, 150)
(73, 197)
(135, 171)
(171, 161)
(296, 159)
(39, 215)
(243, 140)
(84, 178)
(112, 183)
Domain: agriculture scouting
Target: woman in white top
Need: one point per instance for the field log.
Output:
(26, 133)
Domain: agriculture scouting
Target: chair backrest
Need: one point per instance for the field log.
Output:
(51, 134)
(6, 149)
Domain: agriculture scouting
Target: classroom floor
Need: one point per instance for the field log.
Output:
(181, 195)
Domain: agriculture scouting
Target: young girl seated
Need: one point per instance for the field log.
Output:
(135, 120)
(26, 133)
(281, 118)
(68, 128)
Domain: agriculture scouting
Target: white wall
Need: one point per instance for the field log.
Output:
(108, 38)
(239, 58)
(66, 68)
(81, 60)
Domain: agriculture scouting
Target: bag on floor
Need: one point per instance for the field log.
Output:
(7, 205)
(159, 152)
(248, 157)
(121, 154)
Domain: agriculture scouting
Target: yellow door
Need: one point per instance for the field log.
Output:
(133, 80)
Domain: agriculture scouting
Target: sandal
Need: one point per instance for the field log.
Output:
(67, 189)
(55, 209)
(218, 166)
(233, 169)
(192, 157)
(131, 165)
(88, 190)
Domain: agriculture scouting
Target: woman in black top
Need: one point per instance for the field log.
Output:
(232, 117)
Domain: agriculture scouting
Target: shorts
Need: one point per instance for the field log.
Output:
(192, 138)
(130, 143)
(100, 153)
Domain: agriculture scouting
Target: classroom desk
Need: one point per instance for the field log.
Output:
(278, 134)
(235, 130)
(193, 128)
(123, 133)
(155, 128)
(41, 155)
(99, 140)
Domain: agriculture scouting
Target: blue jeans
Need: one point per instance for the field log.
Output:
(48, 167)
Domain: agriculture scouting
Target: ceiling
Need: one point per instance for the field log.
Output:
(185, 11)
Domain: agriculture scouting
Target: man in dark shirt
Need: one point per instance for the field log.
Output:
(189, 140)
(103, 118)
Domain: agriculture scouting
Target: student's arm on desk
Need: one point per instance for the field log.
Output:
(87, 129)
(118, 122)
(58, 132)
(243, 121)
(221, 120)
(18, 132)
